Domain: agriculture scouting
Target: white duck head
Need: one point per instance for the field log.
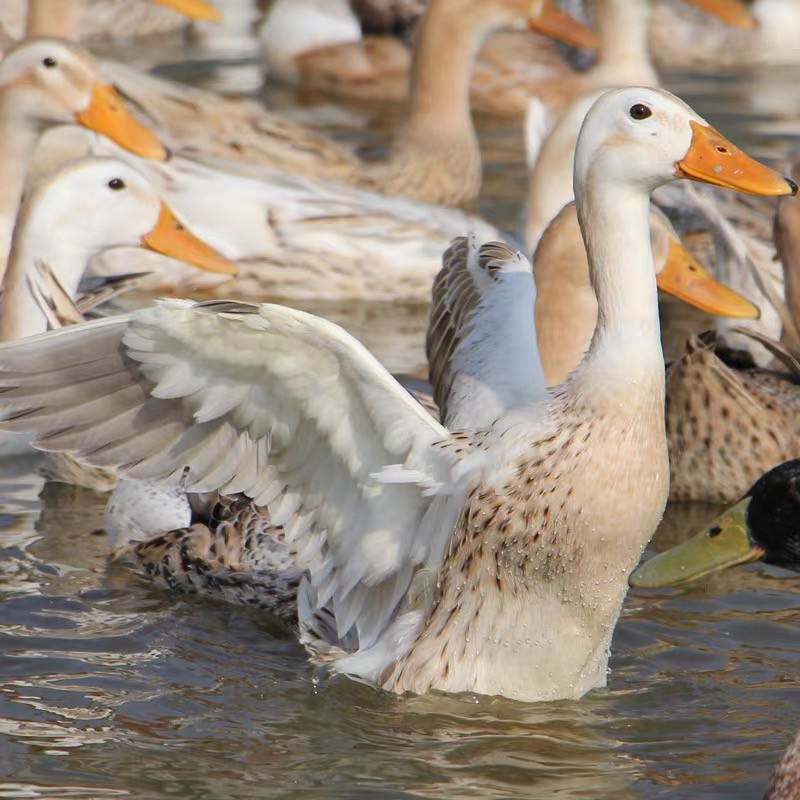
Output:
(642, 138)
(80, 211)
(51, 81)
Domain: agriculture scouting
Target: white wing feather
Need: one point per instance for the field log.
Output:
(263, 399)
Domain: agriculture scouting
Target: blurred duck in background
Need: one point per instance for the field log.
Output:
(49, 82)
(320, 44)
(680, 37)
(87, 19)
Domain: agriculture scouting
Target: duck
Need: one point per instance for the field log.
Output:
(761, 526)
(76, 19)
(492, 559)
(624, 58)
(292, 236)
(49, 82)
(322, 46)
(767, 36)
(566, 306)
(438, 128)
(784, 783)
(201, 122)
(52, 248)
(126, 211)
(720, 403)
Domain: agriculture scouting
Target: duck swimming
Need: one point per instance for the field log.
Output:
(492, 559)
(763, 526)
(52, 248)
(46, 82)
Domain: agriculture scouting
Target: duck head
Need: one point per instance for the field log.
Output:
(123, 209)
(50, 81)
(764, 525)
(644, 138)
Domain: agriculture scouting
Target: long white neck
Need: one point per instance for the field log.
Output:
(17, 142)
(35, 242)
(614, 220)
(55, 18)
(624, 56)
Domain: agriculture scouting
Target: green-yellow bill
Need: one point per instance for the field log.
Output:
(724, 543)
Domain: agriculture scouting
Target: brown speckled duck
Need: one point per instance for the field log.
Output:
(729, 421)
(490, 557)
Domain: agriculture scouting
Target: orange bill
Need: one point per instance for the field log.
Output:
(711, 158)
(732, 12)
(170, 238)
(684, 277)
(106, 114)
(194, 9)
(547, 18)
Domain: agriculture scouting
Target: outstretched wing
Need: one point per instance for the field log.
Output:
(266, 400)
(481, 341)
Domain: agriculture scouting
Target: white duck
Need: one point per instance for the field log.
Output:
(124, 210)
(743, 228)
(623, 59)
(297, 237)
(53, 246)
(492, 560)
(46, 82)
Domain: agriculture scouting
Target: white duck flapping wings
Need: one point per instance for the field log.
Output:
(492, 560)
(277, 403)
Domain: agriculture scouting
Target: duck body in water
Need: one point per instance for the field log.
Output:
(492, 558)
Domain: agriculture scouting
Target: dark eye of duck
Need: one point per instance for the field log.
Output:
(116, 184)
(640, 111)
(49, 62)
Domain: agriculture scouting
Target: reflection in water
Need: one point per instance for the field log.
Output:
(109, 687)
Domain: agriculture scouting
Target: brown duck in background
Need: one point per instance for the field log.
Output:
(434, 156)
(566, 305)
(728, 421)
(510, 65)
(82, 19)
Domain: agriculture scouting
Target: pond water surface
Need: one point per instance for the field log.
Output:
(111, 688)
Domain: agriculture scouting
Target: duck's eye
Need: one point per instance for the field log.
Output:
(640, 111)
(49, 62)
(116, 184)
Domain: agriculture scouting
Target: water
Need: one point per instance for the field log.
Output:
(111, 688)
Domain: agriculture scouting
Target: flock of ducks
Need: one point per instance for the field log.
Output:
(480, 539)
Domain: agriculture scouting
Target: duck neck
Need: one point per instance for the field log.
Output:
(34, 244)
(624, 55)
(614, 221)
(17, 141)
(439, 108)
(54, 18)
